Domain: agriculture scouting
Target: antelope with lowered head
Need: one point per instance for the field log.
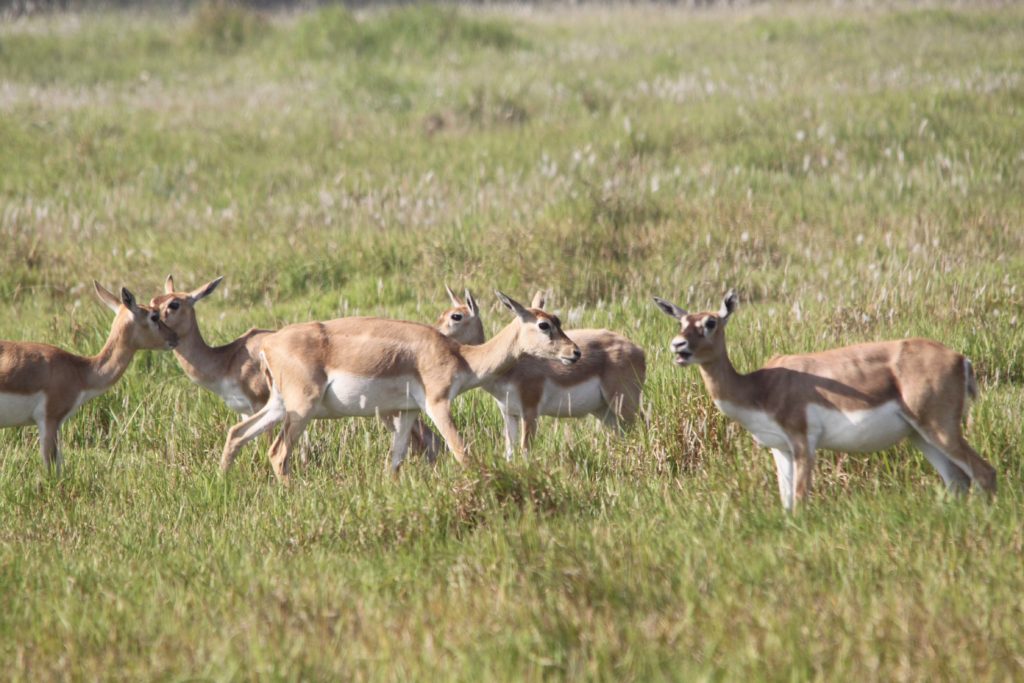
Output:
(606, 383)
(372, 366)
(859, 399)
(45, 385)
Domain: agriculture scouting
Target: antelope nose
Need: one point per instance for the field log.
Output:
(679, 345)
(576, 353)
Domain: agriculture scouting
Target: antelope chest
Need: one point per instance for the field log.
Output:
(763, 427)
(17, 410)
(348, 395)
(857, 431)
(231, 393)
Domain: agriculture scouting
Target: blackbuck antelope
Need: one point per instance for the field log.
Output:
(860, 398)
(231, 371)
(462, 323)
(44, 385)
(372, 366)
(606, 382)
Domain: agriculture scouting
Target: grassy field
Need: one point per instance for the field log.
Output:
(855, 174)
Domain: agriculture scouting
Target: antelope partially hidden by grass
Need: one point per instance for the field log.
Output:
(860, 398)
(373, 366)
(44, 385)
(606, 383)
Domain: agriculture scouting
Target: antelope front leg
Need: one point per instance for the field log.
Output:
(251, 427)
(784, 473)
(403, 423)
(511, 431)
(803, 470)
(529, 429)
(48, 446)
(439, 412)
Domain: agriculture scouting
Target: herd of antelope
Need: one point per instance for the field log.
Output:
(858, 398)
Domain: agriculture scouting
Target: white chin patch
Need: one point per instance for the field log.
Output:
(567, 361)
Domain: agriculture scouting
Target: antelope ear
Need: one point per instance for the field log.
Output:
(538, 300)
(669, 308)
(516, 307)
(729, 304)
(204, 291)
(471, 303)
(128, 299)
(169, 285)
(107, 297)
(451, 296)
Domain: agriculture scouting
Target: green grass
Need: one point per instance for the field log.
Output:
(855, 174)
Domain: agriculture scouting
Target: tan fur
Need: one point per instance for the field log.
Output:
(929, 383)
(65, 380)
(236, 362)
(462, 323)
(617, 363)
(299, 359)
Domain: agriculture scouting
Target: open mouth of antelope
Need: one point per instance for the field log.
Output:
(683, 357)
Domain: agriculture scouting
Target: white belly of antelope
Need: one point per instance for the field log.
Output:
(348, 395)
(575, 401)
(857, 431)
(18, 410)
(762, 426)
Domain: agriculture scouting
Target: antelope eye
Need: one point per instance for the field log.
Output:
(154, 317)
(456, 317)
(174, 305)
(710, 323)
(544, 325)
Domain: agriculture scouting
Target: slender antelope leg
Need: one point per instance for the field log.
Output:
(803, 468)
(439, 412)
(530, 418)
(248, 429)
(956, 479)
(49, 430)
(403, 423)
(280, 457)
(511, 430)
(784, 473)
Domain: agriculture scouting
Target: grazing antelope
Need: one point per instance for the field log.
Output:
(860, 398)
(370, 366)
(231, 371)
(44, 385)
(606, 383)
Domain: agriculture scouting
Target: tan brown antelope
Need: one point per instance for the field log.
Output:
(44, 385)
(859, 399)
(606, 383)
(372, 366)
(462, 323)
(232, 370)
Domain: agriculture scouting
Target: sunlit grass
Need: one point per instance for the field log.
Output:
(854, 173)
